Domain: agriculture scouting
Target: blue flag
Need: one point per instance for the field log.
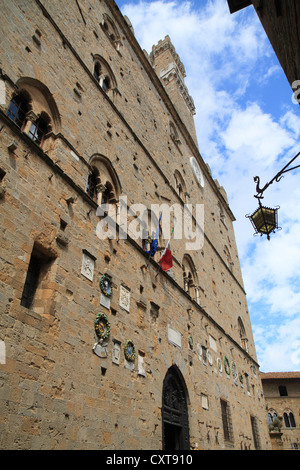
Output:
(154, 242)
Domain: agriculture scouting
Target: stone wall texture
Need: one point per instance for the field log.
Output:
(61, 386)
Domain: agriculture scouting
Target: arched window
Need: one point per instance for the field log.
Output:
(190, 279)
(103, 184)
(103, 74)
(34, 110)
(289, 419)
(111, 31)
(242, 334)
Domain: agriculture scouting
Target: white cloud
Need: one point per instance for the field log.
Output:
(229, 64)
(279, 346)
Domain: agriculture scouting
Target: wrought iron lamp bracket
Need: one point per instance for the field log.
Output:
(276, 178)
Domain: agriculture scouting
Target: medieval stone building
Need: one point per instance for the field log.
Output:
(282, 395)
(101, 346)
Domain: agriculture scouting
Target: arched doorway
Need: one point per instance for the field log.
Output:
(175, 422)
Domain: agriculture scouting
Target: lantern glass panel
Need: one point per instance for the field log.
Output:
(264, 220)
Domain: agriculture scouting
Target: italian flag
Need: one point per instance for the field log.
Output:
(166, 260)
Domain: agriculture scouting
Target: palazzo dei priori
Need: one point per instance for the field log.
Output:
(112, 340)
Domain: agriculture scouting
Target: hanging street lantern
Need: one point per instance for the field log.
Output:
(265, 219)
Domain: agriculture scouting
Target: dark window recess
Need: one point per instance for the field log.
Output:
(282, 391)
(31, 282)
(38, 266)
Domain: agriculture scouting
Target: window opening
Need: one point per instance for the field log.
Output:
(282, 391)
(226, 420)
(37, 269)
(289, 420)
(31, 282)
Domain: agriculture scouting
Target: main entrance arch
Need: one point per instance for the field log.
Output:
(175, 421)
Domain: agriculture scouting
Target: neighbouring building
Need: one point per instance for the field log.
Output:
(102, 347)
(281, 22)
(282, 395)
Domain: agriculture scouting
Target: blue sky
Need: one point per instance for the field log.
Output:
(247, 124)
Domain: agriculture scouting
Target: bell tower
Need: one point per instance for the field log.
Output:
(169, 68)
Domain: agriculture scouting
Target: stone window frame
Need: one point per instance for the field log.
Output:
(106, 183)
(40, 116)
(104, 75)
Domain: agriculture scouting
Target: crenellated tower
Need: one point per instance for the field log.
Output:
(171, 72)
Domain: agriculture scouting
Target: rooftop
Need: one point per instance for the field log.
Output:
(280, 375)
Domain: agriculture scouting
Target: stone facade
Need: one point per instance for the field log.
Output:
(282, 395)
(100, 349)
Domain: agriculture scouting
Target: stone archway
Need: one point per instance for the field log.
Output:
(175, 422)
